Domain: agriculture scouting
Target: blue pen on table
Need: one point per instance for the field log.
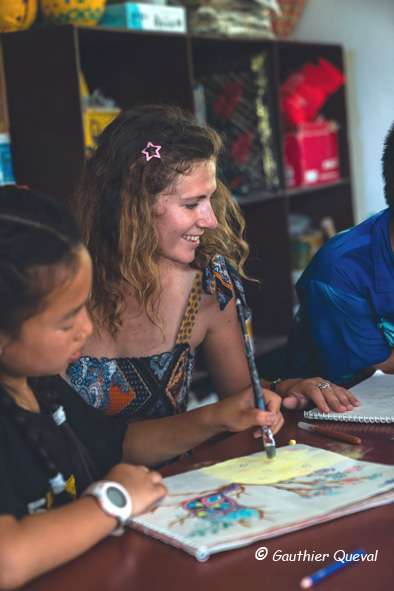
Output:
(268, 438)
(321, 574)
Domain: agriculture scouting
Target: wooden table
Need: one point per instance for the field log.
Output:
(137, 562)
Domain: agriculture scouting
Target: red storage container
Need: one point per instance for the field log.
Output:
(311, 154)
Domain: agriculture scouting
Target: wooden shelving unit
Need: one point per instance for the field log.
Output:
(41, 70)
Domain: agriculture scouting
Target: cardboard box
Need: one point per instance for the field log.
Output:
(311, 154)
(95, 120)
(145, 17)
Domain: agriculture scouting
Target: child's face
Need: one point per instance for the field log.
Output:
(53, 338)
(183, 214)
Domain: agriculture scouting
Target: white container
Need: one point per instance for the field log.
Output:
(145, 17)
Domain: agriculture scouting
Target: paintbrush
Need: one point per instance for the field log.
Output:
(338, 435)
(268, 438)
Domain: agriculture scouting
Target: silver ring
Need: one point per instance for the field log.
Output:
(323, 385)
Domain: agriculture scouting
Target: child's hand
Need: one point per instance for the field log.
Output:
(238, 412)
(326, 396)
(144, 486)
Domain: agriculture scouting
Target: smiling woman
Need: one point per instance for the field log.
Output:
(166, 239)
(184, 213)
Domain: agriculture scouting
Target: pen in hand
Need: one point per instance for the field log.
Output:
(268, 438)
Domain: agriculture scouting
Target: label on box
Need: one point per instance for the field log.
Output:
(145, 17)
(311, 176)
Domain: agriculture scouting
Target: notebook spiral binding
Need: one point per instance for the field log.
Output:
(343, 418)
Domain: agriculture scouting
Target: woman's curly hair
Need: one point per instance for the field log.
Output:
(114, 202)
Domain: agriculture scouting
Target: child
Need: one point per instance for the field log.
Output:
(56, 452)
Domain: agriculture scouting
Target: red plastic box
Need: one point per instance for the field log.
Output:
(311, 154)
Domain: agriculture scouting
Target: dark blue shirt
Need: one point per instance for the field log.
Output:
(346, 318)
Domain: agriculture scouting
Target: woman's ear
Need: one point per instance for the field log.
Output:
(160, 205)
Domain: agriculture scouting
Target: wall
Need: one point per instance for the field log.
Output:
(365, 28)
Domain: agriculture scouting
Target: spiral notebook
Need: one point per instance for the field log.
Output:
(376, 395)
(235, 503)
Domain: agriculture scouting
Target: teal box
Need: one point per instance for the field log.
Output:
(145, 17)
(6, 170)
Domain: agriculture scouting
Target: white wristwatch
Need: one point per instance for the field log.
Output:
(114, 500)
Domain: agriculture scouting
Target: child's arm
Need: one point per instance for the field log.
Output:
(153, 441)
(38, 543)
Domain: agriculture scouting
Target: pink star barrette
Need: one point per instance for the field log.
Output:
(151, 151)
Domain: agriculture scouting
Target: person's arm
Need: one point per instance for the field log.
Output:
(225, 358)
(339, 328)
(386, 366)
(34, 544)
(154, 441)
(228, 368)
(224, 351)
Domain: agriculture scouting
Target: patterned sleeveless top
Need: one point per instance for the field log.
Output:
(158, 385)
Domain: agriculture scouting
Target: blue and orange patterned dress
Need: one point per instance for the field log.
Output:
(158, 385)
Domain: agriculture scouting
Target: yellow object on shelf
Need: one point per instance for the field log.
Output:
(83, 87)
(16, 15)
(81, 12)
(95, 120)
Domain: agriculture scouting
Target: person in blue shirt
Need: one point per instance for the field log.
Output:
(345, 324)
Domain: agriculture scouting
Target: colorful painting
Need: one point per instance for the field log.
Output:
(218, 509)
(235, 503)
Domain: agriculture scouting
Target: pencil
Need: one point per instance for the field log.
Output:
(321, 574)
(268, 438)
(338, 435)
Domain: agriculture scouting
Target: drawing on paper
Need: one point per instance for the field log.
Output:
(218, 509)
(290, 462)
(248, 498)
(327, 481)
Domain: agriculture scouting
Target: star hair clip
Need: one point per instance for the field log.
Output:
(151, 151)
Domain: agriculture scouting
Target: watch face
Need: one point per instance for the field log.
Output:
(116, 496)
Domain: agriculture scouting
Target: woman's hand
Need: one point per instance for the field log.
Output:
(238, 412)
(273, 403)
(297, 393)
(144, 486)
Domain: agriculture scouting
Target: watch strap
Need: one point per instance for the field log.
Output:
(122, 514)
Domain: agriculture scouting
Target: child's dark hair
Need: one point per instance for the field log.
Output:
(388, 167)
(38, 240)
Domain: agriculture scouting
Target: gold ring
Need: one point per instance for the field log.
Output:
(323, 385)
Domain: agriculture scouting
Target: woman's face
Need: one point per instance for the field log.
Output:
(184, 212)
(51, 339)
